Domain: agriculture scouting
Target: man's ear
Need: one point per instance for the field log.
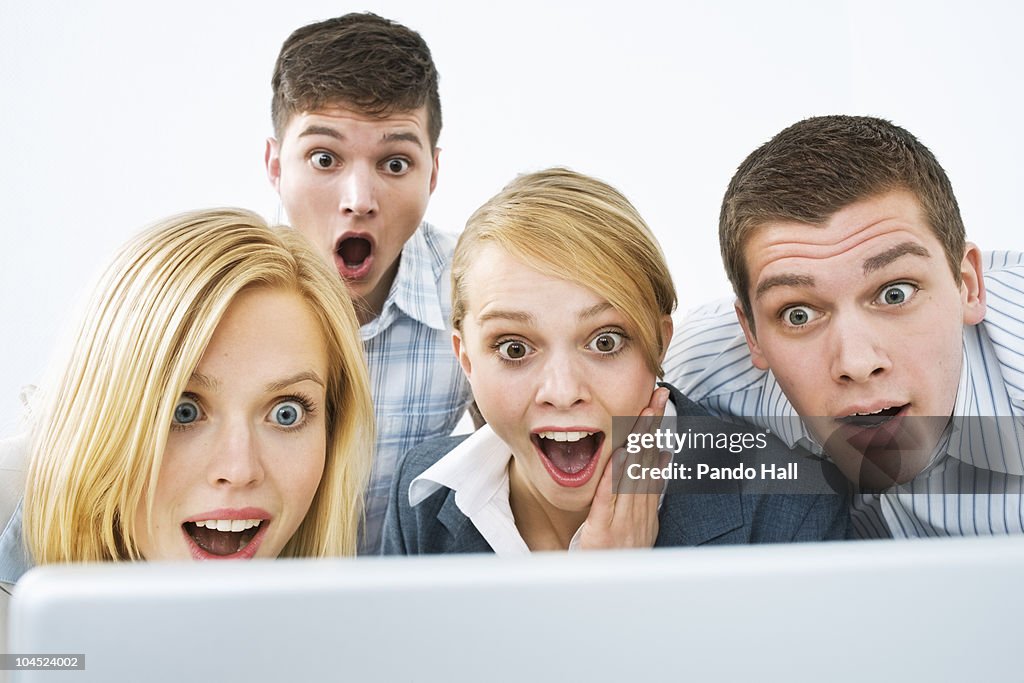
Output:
(972, 286)
(756, 355)
(272, 161)
(667, 329)
(460, 353)
(433, 171)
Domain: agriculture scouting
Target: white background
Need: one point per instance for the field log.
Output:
(116, 115)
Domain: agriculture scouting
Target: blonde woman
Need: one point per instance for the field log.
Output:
(213, 405)
(561, 310)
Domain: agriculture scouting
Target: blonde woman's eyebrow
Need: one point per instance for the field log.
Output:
(205, 381)
(515, 316)
(593, 311)
(310, 376)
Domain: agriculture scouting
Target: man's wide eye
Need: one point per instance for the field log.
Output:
(397, 165)
(798, 316)
(895, 294)
(322, 160)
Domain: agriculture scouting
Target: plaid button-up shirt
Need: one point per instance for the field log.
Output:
(419, 391)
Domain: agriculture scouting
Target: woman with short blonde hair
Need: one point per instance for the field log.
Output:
(562, 305)
(576, 227)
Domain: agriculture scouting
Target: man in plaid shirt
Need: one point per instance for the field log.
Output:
(354, 159)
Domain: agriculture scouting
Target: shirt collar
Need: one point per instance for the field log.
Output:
(987, 442)
(476, 469)
(781, 418)
(418, 288)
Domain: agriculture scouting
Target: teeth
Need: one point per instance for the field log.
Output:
(228, 524)
(564, 436)
(874, 413)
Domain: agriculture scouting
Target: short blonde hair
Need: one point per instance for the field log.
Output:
(99, 437)
(575, 227)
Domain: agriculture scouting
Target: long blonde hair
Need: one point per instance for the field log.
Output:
(99, 436)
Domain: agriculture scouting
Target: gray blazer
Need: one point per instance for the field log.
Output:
(437, 525)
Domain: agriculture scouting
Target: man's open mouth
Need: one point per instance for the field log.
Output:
(353, 256)
(879, 449)
(225, 538)
(570, 456)
(875, 419)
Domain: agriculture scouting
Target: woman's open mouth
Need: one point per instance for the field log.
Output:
(570, 456)
(225, 539)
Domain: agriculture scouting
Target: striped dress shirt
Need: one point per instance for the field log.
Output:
(419, 391)
(973, 484)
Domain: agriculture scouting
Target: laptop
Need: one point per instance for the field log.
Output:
(919, 610)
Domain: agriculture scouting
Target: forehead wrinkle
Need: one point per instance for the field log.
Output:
(817, 237)
(879, 261)
(783, 280)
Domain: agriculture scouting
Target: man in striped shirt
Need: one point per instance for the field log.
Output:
(868, 329)
(354, 159)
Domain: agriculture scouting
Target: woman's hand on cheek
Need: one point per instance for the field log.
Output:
(624, 513)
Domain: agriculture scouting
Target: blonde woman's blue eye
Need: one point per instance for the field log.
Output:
(798, 316)
(607, 342)
(186, 412)
(288, 413)
(513, 350)
(899, 293)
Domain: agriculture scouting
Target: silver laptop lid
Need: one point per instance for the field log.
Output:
(932, 610)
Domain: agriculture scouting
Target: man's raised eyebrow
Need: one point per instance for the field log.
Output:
(322, 130)
(404, 137)
(879, 261)
(294, 379)
(784, 280)
(516, 316)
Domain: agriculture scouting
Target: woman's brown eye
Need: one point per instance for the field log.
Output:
(513, 350)
(607, 342)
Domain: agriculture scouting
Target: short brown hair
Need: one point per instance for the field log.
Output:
(370, 63)
(820, 165)
(578, 228)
